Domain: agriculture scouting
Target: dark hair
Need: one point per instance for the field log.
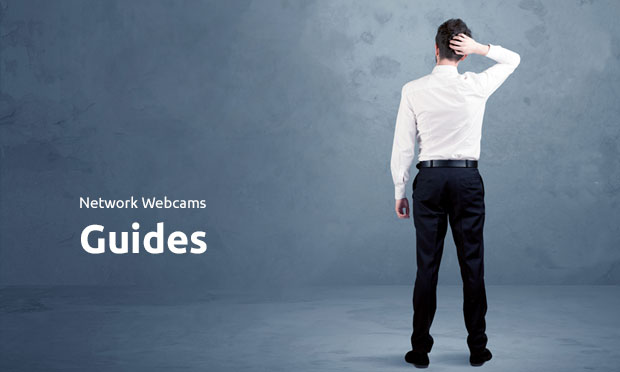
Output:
(445, 33)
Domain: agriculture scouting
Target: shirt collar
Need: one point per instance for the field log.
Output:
(445, 69)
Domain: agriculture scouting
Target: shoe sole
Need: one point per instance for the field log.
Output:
(417, 365)
(479, 364)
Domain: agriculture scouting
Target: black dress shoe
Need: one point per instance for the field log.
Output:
(417, 358)
(478, 359)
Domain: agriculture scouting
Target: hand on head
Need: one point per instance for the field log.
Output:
(463, 44)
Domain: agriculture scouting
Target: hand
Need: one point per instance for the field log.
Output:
(402, 208)
(464, 45)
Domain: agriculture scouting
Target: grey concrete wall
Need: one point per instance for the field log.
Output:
(280, 114)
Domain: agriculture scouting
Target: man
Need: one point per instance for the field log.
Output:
(443, 113)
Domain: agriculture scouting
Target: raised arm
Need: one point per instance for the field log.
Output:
(490, 79)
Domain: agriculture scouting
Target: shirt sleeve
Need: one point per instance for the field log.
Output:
(490, 79)
(403, 146)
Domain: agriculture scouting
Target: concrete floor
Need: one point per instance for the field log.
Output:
(535, 328)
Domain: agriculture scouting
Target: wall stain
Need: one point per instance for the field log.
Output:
(383, 18)
(384, 67)
(536, 35)
(534, 6)
(367, 37)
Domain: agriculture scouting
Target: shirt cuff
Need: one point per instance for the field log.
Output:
(492, 53)
(399, 192)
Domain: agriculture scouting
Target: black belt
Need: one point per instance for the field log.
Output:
(447, 163)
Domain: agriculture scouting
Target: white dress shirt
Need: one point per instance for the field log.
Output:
(443, 113)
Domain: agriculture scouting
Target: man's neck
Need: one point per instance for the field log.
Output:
(447, 62)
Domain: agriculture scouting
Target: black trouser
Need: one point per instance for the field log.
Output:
(455, 195)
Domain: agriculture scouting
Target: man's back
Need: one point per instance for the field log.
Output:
(443, 113)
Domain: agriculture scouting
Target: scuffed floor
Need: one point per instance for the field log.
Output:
(530, 328)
